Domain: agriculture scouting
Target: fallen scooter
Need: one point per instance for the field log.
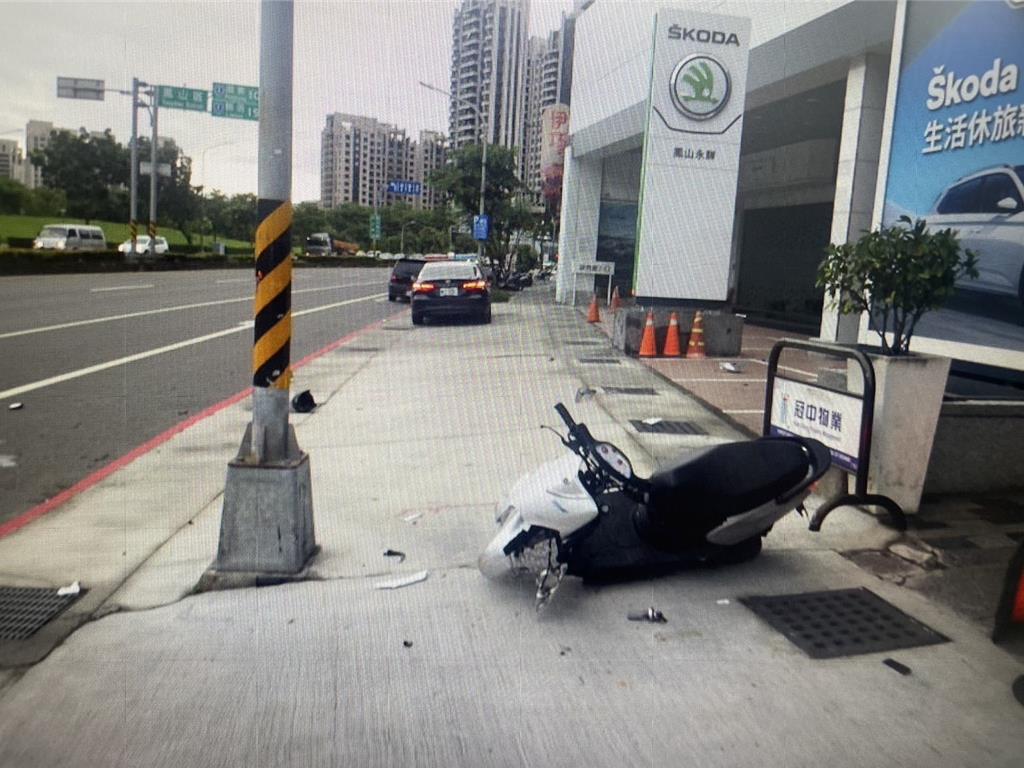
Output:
(588, 514)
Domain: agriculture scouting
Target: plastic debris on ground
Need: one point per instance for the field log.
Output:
(652, 615)
(653, 420)
(407, 643)
(412, 517)
(71, 589)
(303, 402)
(395, 553)
(893, 664)
(722, 602)
(402, 581)
(15, 406)
(731, 368)
(584, 393)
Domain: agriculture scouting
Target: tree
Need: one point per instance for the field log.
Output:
(13, 196)
(509, 214)
(92, 170)
(178, 202)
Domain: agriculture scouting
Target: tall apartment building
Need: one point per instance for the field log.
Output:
(359, 156)
(548, 81)
(429, 154)
(10, 160)
(37, 136)
(489, 39)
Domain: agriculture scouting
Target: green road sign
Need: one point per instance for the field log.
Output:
(181, 98)
(375, 226)
(241, 102)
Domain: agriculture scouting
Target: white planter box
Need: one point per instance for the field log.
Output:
(908, 398)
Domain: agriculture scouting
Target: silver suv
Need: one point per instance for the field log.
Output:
(987, 209)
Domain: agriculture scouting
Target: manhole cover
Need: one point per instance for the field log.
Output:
(842, 622)
(599, 360)
(645, 391)
(667, 427)
(23, 610)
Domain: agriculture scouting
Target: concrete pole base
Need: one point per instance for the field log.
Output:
(266, 527)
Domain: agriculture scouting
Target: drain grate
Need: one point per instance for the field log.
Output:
(645, 391)
(599, 360)
(842, 622)
(667, 427)
(23, 610)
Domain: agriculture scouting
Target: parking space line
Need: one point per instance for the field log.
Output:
(60, 378)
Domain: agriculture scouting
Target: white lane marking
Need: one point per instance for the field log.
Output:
(812, 374)
(162, 310)
(236, 280)
(159, 351)
(120, 288)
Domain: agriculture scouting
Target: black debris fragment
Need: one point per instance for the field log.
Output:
(407, 643)
(303, 402)
(394, 553)
(893, 664)
(652, 615)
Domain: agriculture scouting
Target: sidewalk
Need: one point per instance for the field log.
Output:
(418, 434)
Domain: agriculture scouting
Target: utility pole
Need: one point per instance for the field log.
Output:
(133, 205)
(153, 175)
(267, 519)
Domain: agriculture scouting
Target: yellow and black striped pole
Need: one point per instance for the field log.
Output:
(271, 352)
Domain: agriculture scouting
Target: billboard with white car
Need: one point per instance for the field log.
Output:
(956, 159)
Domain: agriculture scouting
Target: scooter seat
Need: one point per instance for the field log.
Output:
(731, 478)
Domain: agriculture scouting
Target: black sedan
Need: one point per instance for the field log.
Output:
(450, 289)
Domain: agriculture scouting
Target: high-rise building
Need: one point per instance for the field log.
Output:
(489, 40)
(10, 160)
(37, 136)
(429, 154)
(548, 81)
(359, 156)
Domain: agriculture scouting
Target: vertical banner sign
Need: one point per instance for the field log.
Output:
(691, 155)
(554, 137)
(957, 154)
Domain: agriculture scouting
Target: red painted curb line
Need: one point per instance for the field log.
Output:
(89, 481)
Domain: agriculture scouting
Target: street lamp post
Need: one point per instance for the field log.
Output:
(483, 157)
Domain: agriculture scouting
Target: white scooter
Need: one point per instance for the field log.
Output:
(587, 514)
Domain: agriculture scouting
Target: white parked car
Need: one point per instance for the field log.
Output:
(986, 208)
(142, 245)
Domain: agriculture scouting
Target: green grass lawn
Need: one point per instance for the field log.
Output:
(29, 226)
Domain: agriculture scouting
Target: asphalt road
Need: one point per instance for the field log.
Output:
(168, 345)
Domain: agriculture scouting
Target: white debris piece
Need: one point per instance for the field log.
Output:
(722, 602)
(402, 581)
(71, 589)
(731, 368)
(15, 406)
(653, 420)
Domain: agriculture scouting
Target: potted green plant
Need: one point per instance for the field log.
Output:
(897, 274)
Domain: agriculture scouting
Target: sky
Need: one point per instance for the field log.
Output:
(361, 57)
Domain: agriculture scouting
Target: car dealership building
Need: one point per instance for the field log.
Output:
(713, 156)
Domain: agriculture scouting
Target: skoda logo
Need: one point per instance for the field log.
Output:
(700, 86)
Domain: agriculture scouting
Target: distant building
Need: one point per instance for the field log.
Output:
(10, 160)
(360, 155)
(548, 81)
(429, 154)
(37, 136)
(489, 39)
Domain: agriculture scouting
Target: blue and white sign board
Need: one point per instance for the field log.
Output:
(831, 417)
(691, 155)
(481, 227)
(401, 187)
(956, 160)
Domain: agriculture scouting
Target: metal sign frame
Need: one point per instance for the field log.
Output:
(860, 496)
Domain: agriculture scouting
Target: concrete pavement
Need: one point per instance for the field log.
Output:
(419, 433)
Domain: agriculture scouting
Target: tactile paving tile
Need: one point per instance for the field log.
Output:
(23, 610)
(842, 622)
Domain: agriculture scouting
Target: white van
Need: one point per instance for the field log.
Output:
(71, 237)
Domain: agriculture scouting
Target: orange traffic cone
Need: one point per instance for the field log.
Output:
(593, 315)
(695, 346)
(672, 339)
(1009, 623)
(616, 304)
(648, 348)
